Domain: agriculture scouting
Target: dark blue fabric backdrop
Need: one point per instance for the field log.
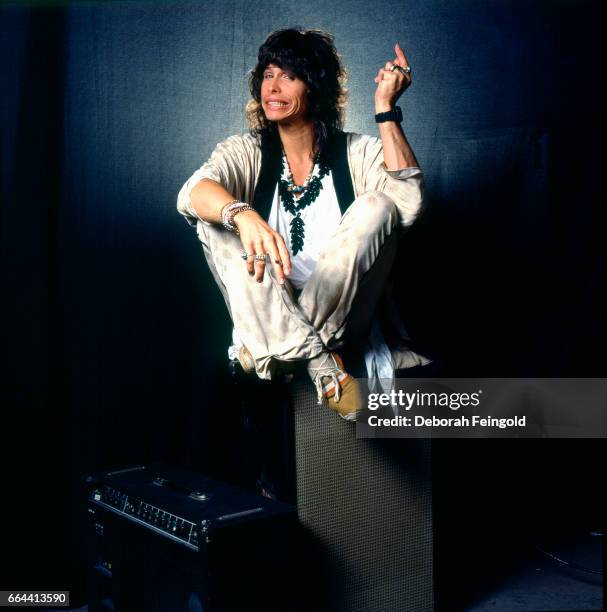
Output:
(114, 333)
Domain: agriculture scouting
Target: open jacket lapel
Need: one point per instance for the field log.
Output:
(336, 157)
(269, 175)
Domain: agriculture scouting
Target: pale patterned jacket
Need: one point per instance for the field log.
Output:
(236, 164)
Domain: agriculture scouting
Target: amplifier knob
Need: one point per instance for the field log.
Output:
(199, 496)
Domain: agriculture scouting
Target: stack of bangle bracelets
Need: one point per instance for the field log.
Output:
(229, 211)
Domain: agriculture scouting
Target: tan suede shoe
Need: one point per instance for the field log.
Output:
(350, 400)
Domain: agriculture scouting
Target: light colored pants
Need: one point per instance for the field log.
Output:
(337, 302)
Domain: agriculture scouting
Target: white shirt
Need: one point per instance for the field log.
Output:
(321, 219)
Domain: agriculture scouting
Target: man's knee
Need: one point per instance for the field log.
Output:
(375, 210)
(377, 199)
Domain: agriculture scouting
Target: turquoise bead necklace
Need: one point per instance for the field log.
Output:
(310, 189)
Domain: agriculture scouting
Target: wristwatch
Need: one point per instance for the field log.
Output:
(394, 115)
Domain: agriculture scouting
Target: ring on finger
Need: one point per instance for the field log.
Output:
(405, 70)
(244, 255)
(260, 257)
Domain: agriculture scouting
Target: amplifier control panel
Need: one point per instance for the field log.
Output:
(174, 527)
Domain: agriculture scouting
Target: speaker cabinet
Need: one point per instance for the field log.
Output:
(365, 507)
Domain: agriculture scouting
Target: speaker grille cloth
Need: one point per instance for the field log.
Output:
(368, 505)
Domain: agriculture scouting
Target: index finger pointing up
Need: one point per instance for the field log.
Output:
(401, 58)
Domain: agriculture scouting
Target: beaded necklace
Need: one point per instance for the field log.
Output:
(311, 188)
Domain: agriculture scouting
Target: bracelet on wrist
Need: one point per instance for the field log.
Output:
(225, 214)
(229, 211)
(235, 211)
(395, 114)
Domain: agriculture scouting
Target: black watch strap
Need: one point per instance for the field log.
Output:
(394, 115)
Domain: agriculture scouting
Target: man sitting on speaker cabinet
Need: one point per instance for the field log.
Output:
(299, 220)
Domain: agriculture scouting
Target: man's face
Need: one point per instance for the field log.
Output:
(284, 97)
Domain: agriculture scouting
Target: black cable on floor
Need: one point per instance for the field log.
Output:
(574, 566)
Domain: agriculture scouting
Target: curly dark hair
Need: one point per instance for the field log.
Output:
(311, 56)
